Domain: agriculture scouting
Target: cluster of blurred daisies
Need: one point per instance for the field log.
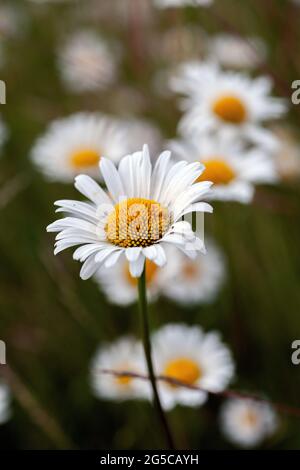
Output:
(227, 125)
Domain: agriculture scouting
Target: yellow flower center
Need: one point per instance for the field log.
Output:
(230, 108)
(85, 158)
(137, 222)
(184, 369)
(151, 270)
(124, 380)
(217, 171)
(250, 419)
(190, 270)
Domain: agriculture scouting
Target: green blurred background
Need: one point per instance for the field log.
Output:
(51, 321)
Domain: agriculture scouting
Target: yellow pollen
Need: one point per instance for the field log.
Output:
(217, 171)
(85, 158)
(137, 222)
(183, 369)
(230, 108)
(124, 380)
(151, 270)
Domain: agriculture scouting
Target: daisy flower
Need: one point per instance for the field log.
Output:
(191, 282)
(140, 216)
(247, 422)
(87, 63)
(226, 100)
(232, 168)
(121, 287)
(187, 354)
(77, 143)
(126, 355)
(234, 51)
(4, 403)
(182, 3)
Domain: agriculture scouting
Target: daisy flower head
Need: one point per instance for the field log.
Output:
(233, 168)
(140, 215)
(4, 403)
(124, 355)
(233, 51)
(194, 281)
(217, 100)
(76, 144)
(247, 422)
(187, 354)
(87, 62)
(182, 3)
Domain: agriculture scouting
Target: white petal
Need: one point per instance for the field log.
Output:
(89, 188)
(136, 267)
(133, 253)
(112, 179)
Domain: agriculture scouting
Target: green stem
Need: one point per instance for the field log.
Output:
(147, 348)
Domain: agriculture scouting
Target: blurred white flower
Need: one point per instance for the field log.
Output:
(5, 412)
(196, 281)
(237, 52)
(233, 168)
(247, 422)
(125, 354)
(87, 62)
(226, 100)
(181, 3)
(187, 354)
(121, 288)
(76, 144)
(140, 216)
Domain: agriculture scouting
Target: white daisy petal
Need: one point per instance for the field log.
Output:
(136, 267)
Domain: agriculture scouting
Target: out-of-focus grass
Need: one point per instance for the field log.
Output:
(52, 322)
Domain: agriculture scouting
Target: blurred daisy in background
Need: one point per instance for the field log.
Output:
(121, 288)
(76, 144)
(287, 157)
(194, 281)
(233, 168)
(181, 3)
(125, 354)
(87, 62)
(234, 51)
(247, 422)
(140, 216)
(187, 354)
(4, 403)
(217, 100)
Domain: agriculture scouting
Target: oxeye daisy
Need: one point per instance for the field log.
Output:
(226, 100)
(247, 422)
(233, 51)
(181, 3)
(4, 403)
(76, 144)
(189, 282)
(189, 355)
(121, 288)
(140, 216)
(233, 168)
(124, 355)
(87, 62)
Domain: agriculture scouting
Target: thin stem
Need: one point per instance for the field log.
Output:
(147, 348)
